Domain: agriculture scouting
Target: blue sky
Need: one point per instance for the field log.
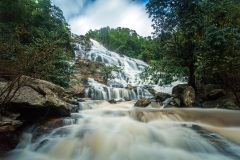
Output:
(83, 15)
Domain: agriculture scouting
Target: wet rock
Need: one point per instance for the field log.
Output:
(177, 90)
(80, 100)
(185, 93)
(47, 126)
(151, 90)
(225, 103)
(215, 94)
(209, 87)
(8, 141)
(142, 103)
(112, 101)
(9, 136)
(171, 102)
(9, 124)
(160, 96)
(74, 108)
(129, 86)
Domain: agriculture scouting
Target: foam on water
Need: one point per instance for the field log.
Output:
(112, 132)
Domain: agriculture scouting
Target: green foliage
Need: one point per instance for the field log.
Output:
(107, 72)
(198, 38)
(35, 40)
(177, 25)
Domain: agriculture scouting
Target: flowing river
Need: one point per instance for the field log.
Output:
(122, 132)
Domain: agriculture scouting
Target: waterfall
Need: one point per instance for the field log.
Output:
(98, 91)
(117, 132)
(129, 74)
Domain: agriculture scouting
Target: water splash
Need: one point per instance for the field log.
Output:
(118, 132)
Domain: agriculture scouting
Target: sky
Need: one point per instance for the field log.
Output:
(83, 15)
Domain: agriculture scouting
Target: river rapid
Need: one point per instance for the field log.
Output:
(103, 131)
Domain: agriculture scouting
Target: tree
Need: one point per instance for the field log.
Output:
(219, 46)
(177, 25)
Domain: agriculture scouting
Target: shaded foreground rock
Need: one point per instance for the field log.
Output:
(9, 135)
(38, 98)
(142, 103)
(160, 96)
(185, 93)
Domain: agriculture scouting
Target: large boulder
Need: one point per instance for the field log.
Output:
(207, 88)
(142, 103)
(177, 90)
(185, 93)
(216, 94)
(38, 98)
(226, 103)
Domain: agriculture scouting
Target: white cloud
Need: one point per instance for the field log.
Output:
(83, 16)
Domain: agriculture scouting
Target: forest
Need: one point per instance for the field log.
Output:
(35, 41)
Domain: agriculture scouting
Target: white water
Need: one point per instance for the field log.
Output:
(130, 67)
(119, 132)
(129, 74)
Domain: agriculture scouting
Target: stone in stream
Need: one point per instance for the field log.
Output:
(185, 93)
(160, 96)
(142, 103)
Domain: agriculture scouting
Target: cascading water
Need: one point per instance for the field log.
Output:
(119, 132)
(99, 91)
(129, 74)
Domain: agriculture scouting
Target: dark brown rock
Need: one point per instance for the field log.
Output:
(142, 103)
(177, 90)
(160, 96)
(185, 93)
(216, 93)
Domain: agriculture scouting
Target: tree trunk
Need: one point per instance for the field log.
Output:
(191, 77)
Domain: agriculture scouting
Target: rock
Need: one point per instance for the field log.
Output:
(129, 86)
(40, 85)
(80, 100)
(74, 108)
(47, 126)
(209, 87)
(188, 96)
(9, 132)
(160, 96)
(151, 90)
(38, 98)
(70, 100)
(9, 141)
(171, 102)
(185, 93)
(127, 99)
(8, 124)
(221, 103)
(177, 90)
(215, 94)
(112, 101)
(142, 103)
